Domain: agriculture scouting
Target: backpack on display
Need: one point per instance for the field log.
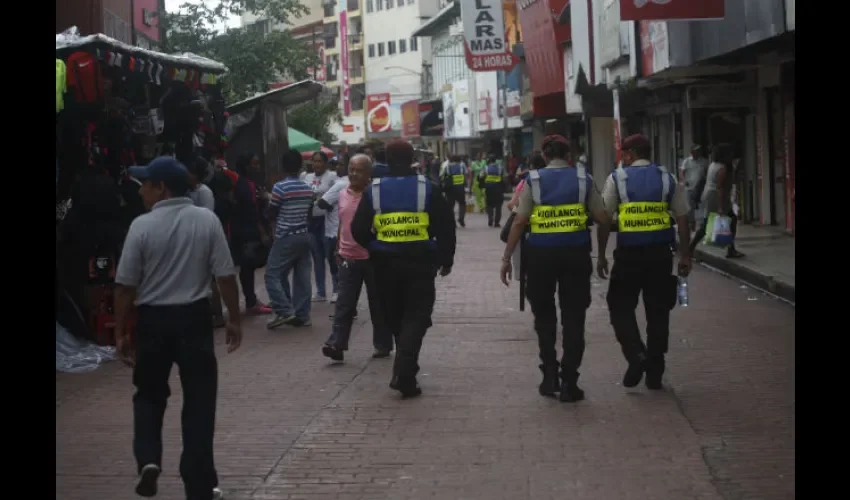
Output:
(84, 77)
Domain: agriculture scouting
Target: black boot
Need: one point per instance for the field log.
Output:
(570, 391)
(634, 374)
(407, 386)
(549, 385)
(654, 372)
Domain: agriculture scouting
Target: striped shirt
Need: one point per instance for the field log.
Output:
(290, 205)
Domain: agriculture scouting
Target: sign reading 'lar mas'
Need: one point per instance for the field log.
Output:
(484, 35)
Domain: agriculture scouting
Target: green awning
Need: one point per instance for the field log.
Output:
(301, 142)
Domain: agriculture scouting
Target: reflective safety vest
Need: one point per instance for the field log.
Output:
(645, 194)
(457, 173)
(559, 217)
(61, 85)
(494, 174)
(401, 206)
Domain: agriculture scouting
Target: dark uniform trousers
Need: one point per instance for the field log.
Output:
(647, 270)
(353, 274)
(495, 198)
(457, 195)
(567, 270)
(407, 301)
(166, 335)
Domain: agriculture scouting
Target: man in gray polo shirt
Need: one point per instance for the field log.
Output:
(169, 258)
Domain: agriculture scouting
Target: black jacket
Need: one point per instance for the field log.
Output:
(442, 226)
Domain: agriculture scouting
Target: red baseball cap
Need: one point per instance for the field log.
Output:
(555, 138)
(634, 142)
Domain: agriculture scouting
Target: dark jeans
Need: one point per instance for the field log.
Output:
(246, 279)
(321, 253)
(182, 335)
(646, 270)
(495, 200)
(290, 253)
(568, 270)
(353, 274)
(458, 197)
(407, 301)
(700, 234)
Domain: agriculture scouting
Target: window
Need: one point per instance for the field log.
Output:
(370, 6)
(390, 4)
(414, 44)
(410, 2)
(379, 5)
(329, 10)
(371, 50)
(353, 5)
(402, 46)
(401, 3)
(391, 47)
(381, 49)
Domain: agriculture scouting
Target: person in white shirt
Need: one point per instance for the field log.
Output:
(330, 204)
(320, 180)
(692, 174)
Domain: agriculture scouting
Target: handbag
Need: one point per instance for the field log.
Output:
(255, 254)
(506, 229)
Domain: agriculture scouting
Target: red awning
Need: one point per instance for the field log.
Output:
(307, 155)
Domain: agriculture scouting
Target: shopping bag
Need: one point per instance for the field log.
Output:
(718, 232)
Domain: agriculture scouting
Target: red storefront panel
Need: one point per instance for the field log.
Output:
(544, 56)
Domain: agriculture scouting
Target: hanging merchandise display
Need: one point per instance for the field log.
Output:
(120, 106)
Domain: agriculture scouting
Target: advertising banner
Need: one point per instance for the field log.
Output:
(410, 119)
(457, 112)
(654, 47)
(343, 57)
(485, 45)
(491, 109)
(378, 112)
(663, 10)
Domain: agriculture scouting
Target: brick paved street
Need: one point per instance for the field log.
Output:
(292, 426)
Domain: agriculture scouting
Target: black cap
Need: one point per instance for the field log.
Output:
(164, 169)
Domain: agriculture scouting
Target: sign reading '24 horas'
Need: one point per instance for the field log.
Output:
(486, 47)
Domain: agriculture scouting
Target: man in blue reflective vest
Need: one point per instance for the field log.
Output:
(643, 195)
(492, 180)
(454, 178)
(407, 226)
(557, 203)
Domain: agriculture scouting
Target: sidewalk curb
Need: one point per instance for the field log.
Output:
(733, 268)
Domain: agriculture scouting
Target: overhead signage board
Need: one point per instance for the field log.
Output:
(485, 43)
(668, 10)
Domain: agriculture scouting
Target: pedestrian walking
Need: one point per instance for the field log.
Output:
(477, 191)
(556, 203)
(692, 173)
(170, 256)
(413, 239)
(320, 180)
(716, 197)
(492, 180)
(643, 195)
(455, 181)
(355, 270)
(249, 236)
(289, 208)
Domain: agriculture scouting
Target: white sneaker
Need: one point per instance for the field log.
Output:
(319, 298)
(217, 494)
(334, 297)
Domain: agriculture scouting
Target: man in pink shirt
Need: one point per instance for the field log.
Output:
(355, 269)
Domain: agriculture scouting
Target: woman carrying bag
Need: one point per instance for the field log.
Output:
(249, 240)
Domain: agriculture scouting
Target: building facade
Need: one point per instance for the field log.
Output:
(683, 82)
(113, 18)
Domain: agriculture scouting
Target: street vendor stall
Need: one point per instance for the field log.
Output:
(258, 125)
(118, 106)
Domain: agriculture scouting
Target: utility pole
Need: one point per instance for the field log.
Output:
(506, 143)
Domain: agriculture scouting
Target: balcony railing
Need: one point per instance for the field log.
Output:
(355, 72)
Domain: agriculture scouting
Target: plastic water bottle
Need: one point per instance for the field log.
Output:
(682, 291)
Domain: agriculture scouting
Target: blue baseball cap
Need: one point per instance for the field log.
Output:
(164, 169)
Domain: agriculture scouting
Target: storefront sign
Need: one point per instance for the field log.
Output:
(378, 112)
(485, 43)
(343, 58)
(660, 10)
(348, 129)
(410, 119)
(654, 47)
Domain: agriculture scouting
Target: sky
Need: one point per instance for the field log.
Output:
(173, 5)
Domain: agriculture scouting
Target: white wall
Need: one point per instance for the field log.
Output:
(316, 14)
(580, 37)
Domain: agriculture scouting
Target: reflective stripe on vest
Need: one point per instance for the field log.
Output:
(554, 223)
(645, 221)
(494, 175)
(401, 227)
